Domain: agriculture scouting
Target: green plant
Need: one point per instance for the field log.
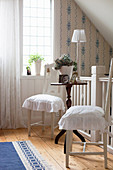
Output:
(34, 57)
(65, 60)
(28, 68)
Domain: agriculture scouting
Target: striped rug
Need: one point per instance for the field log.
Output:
(21, 155)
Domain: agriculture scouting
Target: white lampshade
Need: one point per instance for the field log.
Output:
(79, 36)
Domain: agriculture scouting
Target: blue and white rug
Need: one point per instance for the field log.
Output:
(21, 155)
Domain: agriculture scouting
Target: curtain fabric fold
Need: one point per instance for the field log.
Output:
(10, 99)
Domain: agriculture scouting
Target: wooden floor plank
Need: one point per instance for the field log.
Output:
(2, 137)
(53, 153)
(9, 135)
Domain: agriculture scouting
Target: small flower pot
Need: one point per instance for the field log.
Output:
(28, 72)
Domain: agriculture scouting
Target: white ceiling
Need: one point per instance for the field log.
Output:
(100, 12)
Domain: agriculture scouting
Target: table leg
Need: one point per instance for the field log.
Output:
(59, 135)
(79, 135)
(68, 103)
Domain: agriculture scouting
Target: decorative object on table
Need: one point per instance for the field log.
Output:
(28, 70)
(37, 59)
(63, 78)
(78, 37)
(21, 155)
(65, 65)
(74, 77)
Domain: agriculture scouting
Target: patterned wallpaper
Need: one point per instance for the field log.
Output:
(96, 51)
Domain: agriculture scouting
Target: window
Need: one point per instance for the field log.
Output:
(37, 30)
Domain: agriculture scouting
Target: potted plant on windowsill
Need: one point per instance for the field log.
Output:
(36, 58)
(65, 65)
(28, 70)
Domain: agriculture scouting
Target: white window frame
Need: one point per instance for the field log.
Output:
(21, 36)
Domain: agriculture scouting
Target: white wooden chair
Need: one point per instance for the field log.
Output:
(87, 118)
(48, 102)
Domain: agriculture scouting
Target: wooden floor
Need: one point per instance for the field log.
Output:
(53, 153)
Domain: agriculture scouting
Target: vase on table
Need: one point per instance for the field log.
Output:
(67, 70)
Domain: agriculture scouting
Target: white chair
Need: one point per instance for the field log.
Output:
(87, 118)
(48, 102)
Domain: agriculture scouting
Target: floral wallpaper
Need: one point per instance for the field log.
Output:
(96, 51)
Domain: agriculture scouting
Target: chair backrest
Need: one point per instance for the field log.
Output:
(51, 76)
(107, 104)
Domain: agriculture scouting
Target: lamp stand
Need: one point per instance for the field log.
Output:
(79, 37)
(78, 61)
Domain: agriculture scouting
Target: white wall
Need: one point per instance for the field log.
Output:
(96, 51)
(100, 12)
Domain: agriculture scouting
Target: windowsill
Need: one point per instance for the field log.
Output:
(31, 77)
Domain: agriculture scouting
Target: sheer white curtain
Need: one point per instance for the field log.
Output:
(10, 108)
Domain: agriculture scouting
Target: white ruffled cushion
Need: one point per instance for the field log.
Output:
(82, 118)
(44, 102)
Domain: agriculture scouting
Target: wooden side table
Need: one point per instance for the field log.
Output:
(68, 104)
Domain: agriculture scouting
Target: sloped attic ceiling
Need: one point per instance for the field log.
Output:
(100, 12)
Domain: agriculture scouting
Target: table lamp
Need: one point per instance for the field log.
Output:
(78, 37)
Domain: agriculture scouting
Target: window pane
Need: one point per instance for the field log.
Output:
(26, 31)
(33, 12)
(26, 50)
(41, 31)
(34, 22)
(33, 50)
(47, 41)
(40, 49)
(41, 4)
(26, 40)
(33, 31)
(47, 50)
(46, 22)
(33, 41)
(40, 22)
(26, 12)
(47, 3)
(47, 13)
(34, 3)
(40, 41)
(26, 3)
(47, 31)
(26, 21)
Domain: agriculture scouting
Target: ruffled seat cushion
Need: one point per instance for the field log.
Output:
(44, 102)
(82, 118)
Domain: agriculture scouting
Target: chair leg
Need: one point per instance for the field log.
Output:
(29, 122)
(43, 121)
(105, 149)
(71, 140)
(52, 124)
(68, 143)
